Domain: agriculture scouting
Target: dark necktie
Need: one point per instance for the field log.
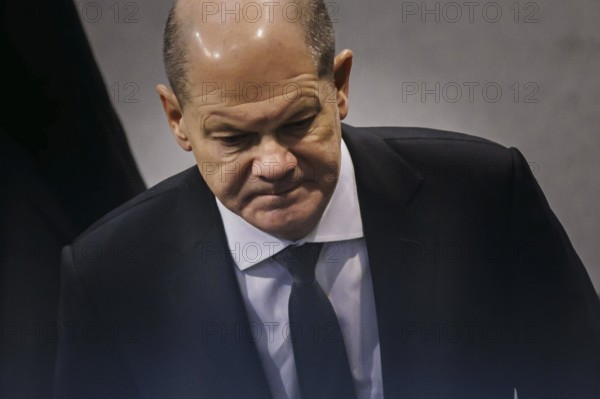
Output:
(319, 351)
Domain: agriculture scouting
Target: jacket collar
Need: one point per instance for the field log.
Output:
(395, 223)
(379, 170)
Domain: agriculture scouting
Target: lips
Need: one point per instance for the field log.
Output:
(276, 191)
(280, 191)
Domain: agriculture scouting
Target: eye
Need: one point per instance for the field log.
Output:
(302, 124)
(233, 140)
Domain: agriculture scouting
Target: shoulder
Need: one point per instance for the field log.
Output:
(425, 136)
(142, 237)
(425, 147)
(139, 211)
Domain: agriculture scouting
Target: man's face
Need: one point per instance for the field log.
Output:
(264, 129)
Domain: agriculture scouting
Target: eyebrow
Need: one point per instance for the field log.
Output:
(211, 127)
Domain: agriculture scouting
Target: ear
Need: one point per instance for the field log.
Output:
(341, 74)
(174, 115)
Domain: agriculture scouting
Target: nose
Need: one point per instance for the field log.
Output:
(273, 161)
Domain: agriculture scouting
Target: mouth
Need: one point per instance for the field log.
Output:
(281, 192)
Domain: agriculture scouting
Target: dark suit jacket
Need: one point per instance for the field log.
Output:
(477, 288)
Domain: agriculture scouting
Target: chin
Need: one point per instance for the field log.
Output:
(289, 224)
(281, 224)
(292, 215)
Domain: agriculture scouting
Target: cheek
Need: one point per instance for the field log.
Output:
(225, 191)
(228, 181)
(326, 160)
(222, 172)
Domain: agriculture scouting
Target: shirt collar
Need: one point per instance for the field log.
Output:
(340, 221)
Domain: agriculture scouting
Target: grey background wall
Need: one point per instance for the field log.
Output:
(522, 73)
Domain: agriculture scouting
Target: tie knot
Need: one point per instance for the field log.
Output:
(300, 261)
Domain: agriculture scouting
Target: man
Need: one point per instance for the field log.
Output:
(446, 272)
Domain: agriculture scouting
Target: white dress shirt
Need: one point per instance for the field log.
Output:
(343, 273)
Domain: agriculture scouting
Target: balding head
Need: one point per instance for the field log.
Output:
(258, 100)
(202, 29)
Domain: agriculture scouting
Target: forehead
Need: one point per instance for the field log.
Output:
(238, 51)
(256, 69)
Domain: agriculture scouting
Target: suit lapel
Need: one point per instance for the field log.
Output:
(380, 171)
(213, 354)
(395, 223)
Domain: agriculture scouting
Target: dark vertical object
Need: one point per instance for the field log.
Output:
(62, 166)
